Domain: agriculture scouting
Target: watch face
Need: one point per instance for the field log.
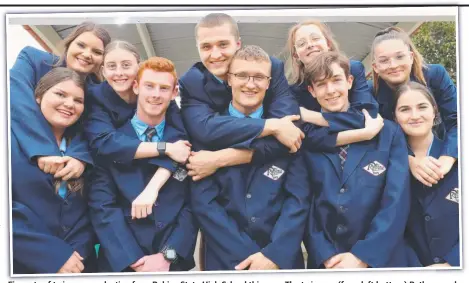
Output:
(171, 254)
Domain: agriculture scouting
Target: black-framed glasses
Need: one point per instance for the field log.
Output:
(257, 79)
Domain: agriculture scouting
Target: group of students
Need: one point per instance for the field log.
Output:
(260, 164)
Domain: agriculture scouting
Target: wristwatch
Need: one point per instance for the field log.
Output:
(170, 254)
(161, 147)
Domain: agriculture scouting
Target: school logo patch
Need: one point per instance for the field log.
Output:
(453, 195)
(180, 174)
(274, 172)
(375, 168)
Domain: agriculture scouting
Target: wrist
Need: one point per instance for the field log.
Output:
(271, 127)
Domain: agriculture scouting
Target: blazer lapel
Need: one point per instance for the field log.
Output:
(335, 161)
(355, 154)
(120, 110)
(218, 92)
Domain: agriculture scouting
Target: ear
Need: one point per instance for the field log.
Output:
(350, 81)
(311, 90)
(375, 68)
(135, 87)
(175, 92)
(230, 77)
(411, 55)
(238, 44)
(38, 100)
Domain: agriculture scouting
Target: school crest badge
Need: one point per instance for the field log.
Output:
(180, 174)
(274, 173)
(375, 168)
(453, 195)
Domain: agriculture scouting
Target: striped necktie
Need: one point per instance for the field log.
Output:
(343, 155)
(149, 133)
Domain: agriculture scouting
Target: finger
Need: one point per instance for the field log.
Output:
(435, 161)
(139, 212)
(80, 266)
(66, 158)
(196, 178)
(134, 213)
(427, 178)
(435, 176)
(41, 163)
(46, 168)
(365, 112)
(422, 180)
(139, 262)
(294, 117)
(293, 149)
(244, 264)
(149, 209)
(333, 261)
(143, 211)
(69, 176)
(74, 269)
(63, 171)
(78, 255)
(302, 135)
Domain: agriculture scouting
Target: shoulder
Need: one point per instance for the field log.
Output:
(432, 71)
(356, 65)
(196, 72)
(37, 54)
(277, 64)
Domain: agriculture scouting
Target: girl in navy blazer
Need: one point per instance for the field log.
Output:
(51, 229)
(433, 226)
(396, 61)
(305, 41)
(113, 104)
(83, 53)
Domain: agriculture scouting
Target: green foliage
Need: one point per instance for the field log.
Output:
(437, 43)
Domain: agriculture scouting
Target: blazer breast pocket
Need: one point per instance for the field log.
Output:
(373, 169)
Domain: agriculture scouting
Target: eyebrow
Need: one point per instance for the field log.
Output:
(397, 52)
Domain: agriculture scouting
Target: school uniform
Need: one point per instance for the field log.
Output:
(125, 240)
(445, 94)
(362, 208)
(47, 227)
(31, 128)
(108, 111)
(360, 97)
(249, 208)
(433, 226)
(204, 97)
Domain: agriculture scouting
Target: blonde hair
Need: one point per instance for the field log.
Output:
(296, 67)
(124, 45)
(418, 63)
(252, 52)
(218, 19)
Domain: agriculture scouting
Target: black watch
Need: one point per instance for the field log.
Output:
(161, 147)
(170, 254)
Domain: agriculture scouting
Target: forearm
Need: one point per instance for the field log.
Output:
(313, 117)
(159, 179)
(230, 157)
(351, 136)
(146, 150)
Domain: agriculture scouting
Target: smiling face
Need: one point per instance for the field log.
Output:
(85, 53)
(155, 91)
(62, 105)
(249, 81)
(309, 41)
(415, 113)
(120, 69)
(332, 93)
(216, 46)
(393, 61)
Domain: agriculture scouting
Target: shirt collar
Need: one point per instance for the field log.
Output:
(140, 127)
(218, 79)
(235, 113)
(63, 145)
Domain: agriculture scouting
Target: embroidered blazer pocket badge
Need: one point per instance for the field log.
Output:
(375, 168)
(180, 174)
(274, 172)
(453, 195)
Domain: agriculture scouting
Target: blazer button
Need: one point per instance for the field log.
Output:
(65, 228)
(342, 208)
(248, 196)
(427, 218)
(159, 224)
(436, 260)
(253, 219)
(156, 203)
(342, 190)
(340, 229)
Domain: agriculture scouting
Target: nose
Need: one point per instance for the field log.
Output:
(392, 63)
(119, 70)
(87, 53)
(215, 53)
(330, 88)
(414, 114)
(250, 83)
(69, 102)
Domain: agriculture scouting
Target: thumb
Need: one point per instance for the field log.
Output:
(294, 117)
(365, 112)
(333, 261)
(139, 262)
(66, 158)
(244, 264)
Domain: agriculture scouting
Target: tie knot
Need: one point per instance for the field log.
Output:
(149, 133)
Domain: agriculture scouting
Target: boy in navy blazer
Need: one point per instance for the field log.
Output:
(360, 193)
(252, 216)
(163, 237)
(205, 94)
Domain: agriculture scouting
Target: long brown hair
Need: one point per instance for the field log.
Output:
(87, 26)
(294, 65)
(397, 33)
(52, 78)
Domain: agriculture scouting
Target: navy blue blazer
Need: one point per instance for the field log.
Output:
(250, 208)
(47, 229)
(360, 97)
(433, 226)
(445, 93)
(108, 111)
(203, 98)
(31, 128)
(364, 209)
(123, 241)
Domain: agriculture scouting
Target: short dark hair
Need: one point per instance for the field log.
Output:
(320, 66)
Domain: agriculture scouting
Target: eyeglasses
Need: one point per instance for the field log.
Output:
(398, 59)
(304, 42)
(257, 79)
